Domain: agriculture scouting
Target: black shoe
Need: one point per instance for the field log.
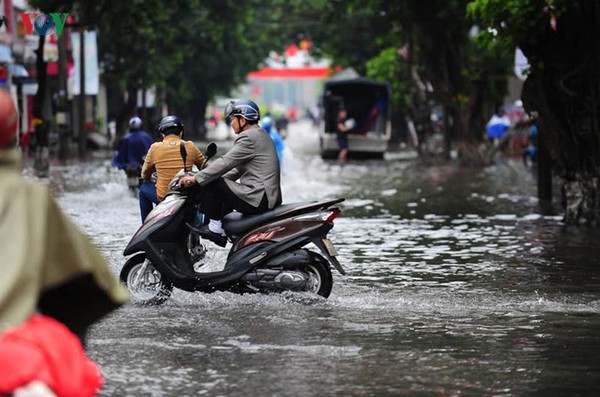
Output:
(216, 238)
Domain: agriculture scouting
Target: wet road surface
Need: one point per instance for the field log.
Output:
(455, 286)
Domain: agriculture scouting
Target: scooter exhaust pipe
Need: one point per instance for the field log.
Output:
(286, 280)
(290, 280)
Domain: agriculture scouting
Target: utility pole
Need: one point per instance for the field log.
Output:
(63, 120)
(41, 126)
(544, 171)
(8, 14)
(82, 115)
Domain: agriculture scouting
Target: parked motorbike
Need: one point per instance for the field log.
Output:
(268, 251)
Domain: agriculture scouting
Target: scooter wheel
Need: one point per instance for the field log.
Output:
(149, 288)
(321, 280)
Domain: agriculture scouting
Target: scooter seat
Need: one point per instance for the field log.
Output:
(236, 222)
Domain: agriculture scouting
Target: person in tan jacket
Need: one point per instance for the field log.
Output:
(165, 157)
(48, 265)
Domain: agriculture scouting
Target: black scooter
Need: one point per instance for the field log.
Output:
(268, 251)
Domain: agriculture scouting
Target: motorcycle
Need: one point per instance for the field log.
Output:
(268, 252)
(134, 173)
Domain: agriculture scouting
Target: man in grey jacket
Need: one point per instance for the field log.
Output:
(246, 178)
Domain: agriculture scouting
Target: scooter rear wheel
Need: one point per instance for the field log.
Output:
(321, 280)
(149, 288)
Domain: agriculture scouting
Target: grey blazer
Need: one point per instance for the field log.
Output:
(250, 168)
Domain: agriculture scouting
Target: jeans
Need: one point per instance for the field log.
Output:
(147, 197)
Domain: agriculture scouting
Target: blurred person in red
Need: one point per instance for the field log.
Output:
(41, 357)
(50, 271)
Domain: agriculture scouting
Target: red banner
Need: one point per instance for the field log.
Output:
(3, 73)
(285, 73)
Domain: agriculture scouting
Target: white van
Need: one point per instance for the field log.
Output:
(366, 101)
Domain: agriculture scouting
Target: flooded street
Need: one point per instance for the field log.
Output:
(455, 286)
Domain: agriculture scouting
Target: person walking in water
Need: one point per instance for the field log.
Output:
(343, 126)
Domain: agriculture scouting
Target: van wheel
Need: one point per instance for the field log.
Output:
(146, 284)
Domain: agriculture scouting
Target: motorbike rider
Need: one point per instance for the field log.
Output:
(165, 158)
(133, 146)
(246, 178)
(267, 124)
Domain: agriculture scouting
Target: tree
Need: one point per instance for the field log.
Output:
(137, 46)
(439, 53)
(221, 41)
(190, 50)
(464, 79)
(561, 39)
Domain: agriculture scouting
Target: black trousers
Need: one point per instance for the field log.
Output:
(217, 200)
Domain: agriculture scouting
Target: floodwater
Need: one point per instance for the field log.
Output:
(455, 286)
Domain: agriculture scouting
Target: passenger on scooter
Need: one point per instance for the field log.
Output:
(165, 158)
(246, 178)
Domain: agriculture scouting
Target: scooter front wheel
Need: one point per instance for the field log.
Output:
(144, 282)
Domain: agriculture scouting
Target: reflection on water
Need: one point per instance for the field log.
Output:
(456, 286)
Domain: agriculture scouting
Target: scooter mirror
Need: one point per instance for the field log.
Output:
(183, 153)
(211, 150)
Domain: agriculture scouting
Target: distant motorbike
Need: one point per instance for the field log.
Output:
(268, 252)
(134, 173)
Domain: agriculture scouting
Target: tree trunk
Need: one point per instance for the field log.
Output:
(582, 201)
(127, 111)
(565, 93)
(544, 174)
(198, 115)
(399, 128)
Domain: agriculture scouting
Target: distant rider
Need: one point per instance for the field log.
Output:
(133, 146)
(246, 178)
(165, 158)
(267, 124)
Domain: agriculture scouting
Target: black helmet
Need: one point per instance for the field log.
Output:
(243, 108)
(170, 125)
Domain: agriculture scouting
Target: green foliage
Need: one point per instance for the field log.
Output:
(187, 48)
(509, 23)
(134, 39)
(352, 32)
(48, 6)
(388, 66)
